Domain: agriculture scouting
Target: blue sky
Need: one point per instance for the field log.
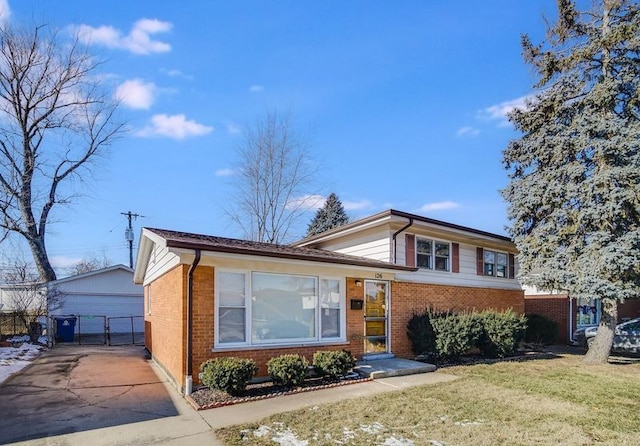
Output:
(403, 104)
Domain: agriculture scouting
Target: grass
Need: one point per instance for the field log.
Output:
(539, 402)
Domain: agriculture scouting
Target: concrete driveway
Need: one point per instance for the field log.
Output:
(96, 395)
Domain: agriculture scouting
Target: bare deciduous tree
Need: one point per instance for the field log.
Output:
(274, 176)
(55, 120)
(89, 264)
(28, 297)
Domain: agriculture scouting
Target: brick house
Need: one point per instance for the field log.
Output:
(571, 314)
(353, 287)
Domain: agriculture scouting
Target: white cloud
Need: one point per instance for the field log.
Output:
(467, 132)
(256, 88)
(499, 112)
(138, 41)
(233, 128)
(174, 127)
(306, 202)
(177, 73)
(5, 11)
(136, 93)
(439, 206)
(225, 172)
(356, 205)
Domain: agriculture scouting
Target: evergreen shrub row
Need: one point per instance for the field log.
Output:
(232, 374)
(450, 335)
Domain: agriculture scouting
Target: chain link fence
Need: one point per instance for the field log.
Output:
(87, 329)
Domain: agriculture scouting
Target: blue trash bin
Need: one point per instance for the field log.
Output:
(65, 328)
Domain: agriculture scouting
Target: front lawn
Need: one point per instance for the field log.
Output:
(544, 401)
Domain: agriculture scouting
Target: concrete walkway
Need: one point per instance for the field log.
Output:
(78, 395)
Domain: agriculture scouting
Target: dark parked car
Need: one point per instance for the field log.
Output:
(626, 339)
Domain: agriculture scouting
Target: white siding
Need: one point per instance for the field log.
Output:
(160, 261)
(369, 244)
(110, 293)
(466, 277)
(118, 281)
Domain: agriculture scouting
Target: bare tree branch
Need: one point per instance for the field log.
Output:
(55, 119)
(275, 173)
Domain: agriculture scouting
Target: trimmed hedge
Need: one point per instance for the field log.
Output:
(421, 334)
(449, 335)
(501, 333)
(333, 364)
(288, 370)
(230, 375)
(541, 330)
(456, 334)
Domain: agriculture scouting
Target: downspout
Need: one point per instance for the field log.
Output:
(188, 385)
(570, 319)
(395, 234)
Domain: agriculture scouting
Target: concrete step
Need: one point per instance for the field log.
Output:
(383, 368)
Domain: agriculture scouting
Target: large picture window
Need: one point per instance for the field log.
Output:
(266, 308)
(433, 254)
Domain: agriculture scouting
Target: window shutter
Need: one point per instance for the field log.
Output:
(455, 258)
(480, 261)
(512, 266)
(410, 249)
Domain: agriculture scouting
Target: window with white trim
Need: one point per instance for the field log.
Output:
(496, 263)
(433, 254)
(256, 308)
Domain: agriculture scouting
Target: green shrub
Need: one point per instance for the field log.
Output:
(421, 333)
(230, 375)
(288, 370)
(501, 332)
(456, 334)
(333, 364)
(541, 330)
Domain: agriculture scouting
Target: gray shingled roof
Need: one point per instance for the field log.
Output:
(176, 239)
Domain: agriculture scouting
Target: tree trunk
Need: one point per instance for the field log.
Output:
(600, 348)
(41, 259)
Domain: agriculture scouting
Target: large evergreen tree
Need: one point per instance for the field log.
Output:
(574, 194)
(329, 216)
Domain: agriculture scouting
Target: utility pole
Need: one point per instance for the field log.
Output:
(128, 233)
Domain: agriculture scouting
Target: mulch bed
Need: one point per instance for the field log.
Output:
(205, 398)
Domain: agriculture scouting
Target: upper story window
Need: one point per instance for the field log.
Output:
(495, 263)
(433, 254)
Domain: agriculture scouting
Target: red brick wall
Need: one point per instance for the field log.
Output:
(554, 307)
(630, 309)
(407, 298)
(165, 327)
(203, 328)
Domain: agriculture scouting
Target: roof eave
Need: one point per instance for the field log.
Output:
(231, 250)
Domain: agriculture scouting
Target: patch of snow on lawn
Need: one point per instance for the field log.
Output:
(261, 431)
(393, 441)
(371, 429)
(279, 434)
(14, 359)
(469, 423)
(288, 438)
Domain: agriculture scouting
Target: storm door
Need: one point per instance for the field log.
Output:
(375, 316)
